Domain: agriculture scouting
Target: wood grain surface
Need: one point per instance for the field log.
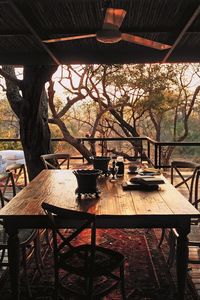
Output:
(58, 187)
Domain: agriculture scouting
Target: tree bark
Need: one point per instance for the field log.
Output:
(87, 154)
(33, 116)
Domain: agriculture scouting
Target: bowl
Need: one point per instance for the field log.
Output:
(133, 168)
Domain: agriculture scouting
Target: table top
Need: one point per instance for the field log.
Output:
(58, 187)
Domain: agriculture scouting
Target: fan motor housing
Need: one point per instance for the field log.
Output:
(108, 36)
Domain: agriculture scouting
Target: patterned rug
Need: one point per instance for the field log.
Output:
(146, 273)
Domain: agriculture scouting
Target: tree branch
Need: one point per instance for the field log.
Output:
(9, 77)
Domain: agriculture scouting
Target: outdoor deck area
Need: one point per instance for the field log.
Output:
(111, 88)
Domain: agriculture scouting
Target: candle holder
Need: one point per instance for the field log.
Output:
(87, 183)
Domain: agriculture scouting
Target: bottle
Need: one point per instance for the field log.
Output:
(113, 171)
(120, 164)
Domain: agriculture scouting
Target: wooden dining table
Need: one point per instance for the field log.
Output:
(115, 208)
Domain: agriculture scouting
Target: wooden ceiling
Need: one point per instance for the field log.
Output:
(24, 24)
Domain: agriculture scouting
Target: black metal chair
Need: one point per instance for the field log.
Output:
(178, 168)
(194, 235)
(88, 262)
(18, 170)
(28, 238)
(55, 160)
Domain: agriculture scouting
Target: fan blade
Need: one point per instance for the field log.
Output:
(113, 18)
(69, 38)
(144, 42)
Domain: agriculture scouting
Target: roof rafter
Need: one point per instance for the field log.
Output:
(82, 32)
(32, 30)
(178, 39)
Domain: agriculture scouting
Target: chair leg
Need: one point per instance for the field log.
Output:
(172, 249)
(25, 176)
(56, 286)
(161, 238)
(56, 293)
(47, 238)
(56, 278)
(89, 288)
(3, 251)
(24, 264)
(122, 282)
(37, 253)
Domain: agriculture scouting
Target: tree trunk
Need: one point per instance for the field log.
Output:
(32, 112)
(66, 133)
(34, 129)
(87, 154)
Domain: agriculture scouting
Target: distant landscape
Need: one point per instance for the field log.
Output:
(158, 101)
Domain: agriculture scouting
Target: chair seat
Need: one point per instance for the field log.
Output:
(86, 261)
(14, 166)
(106, 260)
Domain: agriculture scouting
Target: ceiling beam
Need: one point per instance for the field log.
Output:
(181, 34)
(34, 33)
(97, 57)
(54, 33)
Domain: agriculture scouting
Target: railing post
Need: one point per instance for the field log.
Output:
(83, 156)
(102, 147)
(159, 157)
(140, 150)
(148, 150)
(156, 156)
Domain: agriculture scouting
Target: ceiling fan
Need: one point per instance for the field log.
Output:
(110, 32)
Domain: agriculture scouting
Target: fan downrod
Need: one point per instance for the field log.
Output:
(107, 36)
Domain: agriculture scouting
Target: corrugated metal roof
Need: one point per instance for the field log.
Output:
(25, 24)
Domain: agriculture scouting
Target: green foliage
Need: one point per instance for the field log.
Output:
(9, 126)
(153, 99)
(10, 146)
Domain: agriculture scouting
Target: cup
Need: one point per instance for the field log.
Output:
(101, 163)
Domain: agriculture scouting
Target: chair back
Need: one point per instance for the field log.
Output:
(179, 167)
(194, 196)
(7, 188)
(85, 221)
(55, 160)
(1, 200)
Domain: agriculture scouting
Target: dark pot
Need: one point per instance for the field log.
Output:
(101, 163)
(87, 181)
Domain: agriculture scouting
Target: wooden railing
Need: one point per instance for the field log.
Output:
(147, 148)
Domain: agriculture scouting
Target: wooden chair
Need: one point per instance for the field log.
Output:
(55, 161)
(18, 169)
(87, 261)
(194, 235)
(28, 238)
(178, 168)
(7, 182)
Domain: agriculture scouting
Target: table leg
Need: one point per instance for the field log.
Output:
(14, 262)
(182, 262)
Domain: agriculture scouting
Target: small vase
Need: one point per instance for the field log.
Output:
(87, 182)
